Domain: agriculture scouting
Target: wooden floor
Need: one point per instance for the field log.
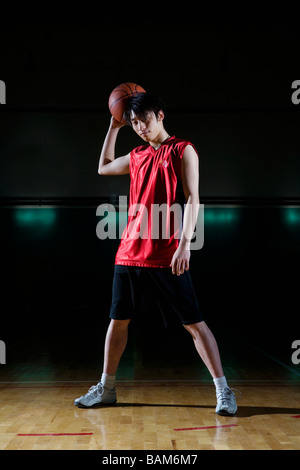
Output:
(149, 416)
(166, 401)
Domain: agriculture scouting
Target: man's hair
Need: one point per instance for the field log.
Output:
(142, 104)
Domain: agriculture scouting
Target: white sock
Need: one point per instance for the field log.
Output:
(108, 380)
(220, 382)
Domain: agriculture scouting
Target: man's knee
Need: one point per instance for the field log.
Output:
(196, 329)
(119, 324)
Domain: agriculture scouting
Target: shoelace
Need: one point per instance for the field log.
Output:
(236, 390)
(225, 393)
(93, 388)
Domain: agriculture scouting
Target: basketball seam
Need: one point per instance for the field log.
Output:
(126, 84)
(122, 97)
(125, 96)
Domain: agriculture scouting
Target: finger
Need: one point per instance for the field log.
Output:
(179, 267)
(173, 267)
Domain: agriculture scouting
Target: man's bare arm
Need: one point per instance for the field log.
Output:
(190, 184)
(108, 164)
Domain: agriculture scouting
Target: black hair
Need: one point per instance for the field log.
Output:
(142, 104)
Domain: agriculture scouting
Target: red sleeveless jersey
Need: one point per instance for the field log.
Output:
(156, 203)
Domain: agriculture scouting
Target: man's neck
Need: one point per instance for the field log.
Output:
(161, 137)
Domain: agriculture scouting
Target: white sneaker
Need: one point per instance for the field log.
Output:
(226, 402)
(97, 395)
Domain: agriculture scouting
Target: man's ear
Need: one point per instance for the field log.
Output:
(160, 115)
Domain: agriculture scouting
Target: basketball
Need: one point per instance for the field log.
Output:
(119, 96)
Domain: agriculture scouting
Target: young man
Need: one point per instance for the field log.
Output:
(161, 172)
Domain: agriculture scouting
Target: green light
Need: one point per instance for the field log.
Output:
(35, 217)
(43, 372)
(219, 216)
(292, 215)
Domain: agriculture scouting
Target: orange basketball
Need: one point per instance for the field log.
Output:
(119, 96)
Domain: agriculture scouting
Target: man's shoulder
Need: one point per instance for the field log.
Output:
(140, 149)
(179, 145)
(180, 140)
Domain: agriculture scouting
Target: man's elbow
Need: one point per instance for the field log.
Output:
(192, 198)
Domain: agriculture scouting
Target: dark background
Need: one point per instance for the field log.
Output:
(228, 89)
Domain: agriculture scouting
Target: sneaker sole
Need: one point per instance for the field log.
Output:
(225, 413)
(97, 405)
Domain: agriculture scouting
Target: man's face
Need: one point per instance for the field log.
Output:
(149, 127)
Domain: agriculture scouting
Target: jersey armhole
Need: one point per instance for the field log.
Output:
(185, 146)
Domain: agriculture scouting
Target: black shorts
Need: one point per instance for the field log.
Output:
(174, 294)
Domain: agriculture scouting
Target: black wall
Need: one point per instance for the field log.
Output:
(228, 88)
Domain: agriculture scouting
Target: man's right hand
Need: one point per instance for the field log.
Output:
(114, 124)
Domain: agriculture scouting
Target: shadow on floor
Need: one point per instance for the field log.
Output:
(243, 411)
